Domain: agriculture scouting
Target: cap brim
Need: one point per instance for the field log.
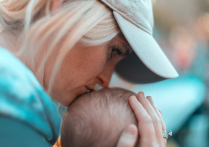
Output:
(149, 54)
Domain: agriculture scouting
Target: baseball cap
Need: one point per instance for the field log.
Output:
(147, 63)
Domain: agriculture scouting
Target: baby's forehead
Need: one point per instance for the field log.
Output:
(103, 100)
(107, 102)
(106, 95)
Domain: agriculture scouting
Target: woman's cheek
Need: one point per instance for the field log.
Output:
(96, 68)
(99, 62)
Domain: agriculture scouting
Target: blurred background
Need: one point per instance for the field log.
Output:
(182, 30)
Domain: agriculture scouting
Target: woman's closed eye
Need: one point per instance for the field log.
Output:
(115, 51)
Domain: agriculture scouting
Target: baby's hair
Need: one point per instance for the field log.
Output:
(109, 113)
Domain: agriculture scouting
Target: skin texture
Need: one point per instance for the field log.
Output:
(150, 122)
(84, 67)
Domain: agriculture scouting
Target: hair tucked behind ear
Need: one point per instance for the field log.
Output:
(90, 22)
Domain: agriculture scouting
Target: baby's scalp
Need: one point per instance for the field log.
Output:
(97, 119)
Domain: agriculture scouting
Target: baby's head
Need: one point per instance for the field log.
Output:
(97, 119)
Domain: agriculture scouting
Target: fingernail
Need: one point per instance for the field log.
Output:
(131, 130)
(134, 98)
(149, 97)
(141, 94)
(151, 100)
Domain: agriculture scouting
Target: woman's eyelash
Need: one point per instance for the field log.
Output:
(114, 51)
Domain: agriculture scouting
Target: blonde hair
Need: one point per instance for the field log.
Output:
(90, 22)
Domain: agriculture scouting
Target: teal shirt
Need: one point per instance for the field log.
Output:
(23, 98)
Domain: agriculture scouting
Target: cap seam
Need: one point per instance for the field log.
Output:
(124, 15)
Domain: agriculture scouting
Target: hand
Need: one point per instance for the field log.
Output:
(150, 124)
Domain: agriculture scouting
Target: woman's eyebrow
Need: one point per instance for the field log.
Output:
(127, 47)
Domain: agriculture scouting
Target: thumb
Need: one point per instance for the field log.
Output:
(128, 137)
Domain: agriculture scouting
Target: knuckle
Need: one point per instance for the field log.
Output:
(164, 127)
(147, 120)
(154, 144)
(126, 141)
(128, 144)
(157, 121)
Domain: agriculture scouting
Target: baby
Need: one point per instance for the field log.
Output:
(97, 119)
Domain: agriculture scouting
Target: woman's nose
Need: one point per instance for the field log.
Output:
(105, 76)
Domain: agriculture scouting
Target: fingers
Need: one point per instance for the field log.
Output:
(148, 107)
(156, 117)
(152, 113)
(145, 124)
(128, 137)
(158, 112)
(150, 122)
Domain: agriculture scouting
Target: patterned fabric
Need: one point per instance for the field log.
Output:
(23, 98)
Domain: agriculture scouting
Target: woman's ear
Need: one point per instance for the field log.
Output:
(56, 4)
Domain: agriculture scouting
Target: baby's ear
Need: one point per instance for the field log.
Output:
(56, 4)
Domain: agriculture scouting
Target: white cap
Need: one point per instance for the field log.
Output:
(135, 19)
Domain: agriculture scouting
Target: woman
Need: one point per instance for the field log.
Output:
(70, 46)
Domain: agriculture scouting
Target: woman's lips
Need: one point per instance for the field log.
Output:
(81, 92)
(89, 89)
